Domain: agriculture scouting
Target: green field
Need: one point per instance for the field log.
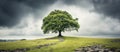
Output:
(68, 44)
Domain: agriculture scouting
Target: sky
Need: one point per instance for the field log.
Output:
(23, 18)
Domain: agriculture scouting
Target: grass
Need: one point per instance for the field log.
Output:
(68, 45)
(24, 44)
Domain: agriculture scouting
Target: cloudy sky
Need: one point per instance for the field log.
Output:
(99, 18)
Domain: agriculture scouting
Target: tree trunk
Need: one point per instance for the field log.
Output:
(60, 35)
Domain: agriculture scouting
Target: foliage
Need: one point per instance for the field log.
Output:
(59, 21)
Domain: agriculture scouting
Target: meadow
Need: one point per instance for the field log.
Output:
(66, 44)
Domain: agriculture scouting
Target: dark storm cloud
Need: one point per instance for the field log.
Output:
(108, 7)
(12, 11)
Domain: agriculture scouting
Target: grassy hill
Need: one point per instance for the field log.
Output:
(66, 44)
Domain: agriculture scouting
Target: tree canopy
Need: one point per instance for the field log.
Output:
(59, 21)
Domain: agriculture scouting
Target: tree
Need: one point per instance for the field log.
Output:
(59, 21)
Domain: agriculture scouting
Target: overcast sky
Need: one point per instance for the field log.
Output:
(24, 17)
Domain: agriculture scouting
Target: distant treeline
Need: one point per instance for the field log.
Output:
(1, 40)
(7, 40)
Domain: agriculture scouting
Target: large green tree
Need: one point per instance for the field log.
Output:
(59, 21)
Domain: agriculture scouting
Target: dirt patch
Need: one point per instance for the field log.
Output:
(117, 40)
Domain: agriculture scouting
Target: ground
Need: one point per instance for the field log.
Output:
(65, 44)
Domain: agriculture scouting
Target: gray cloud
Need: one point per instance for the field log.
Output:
(24, 17)
(12, 11)
(105, 7)
(108, 7)
(79, 3)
